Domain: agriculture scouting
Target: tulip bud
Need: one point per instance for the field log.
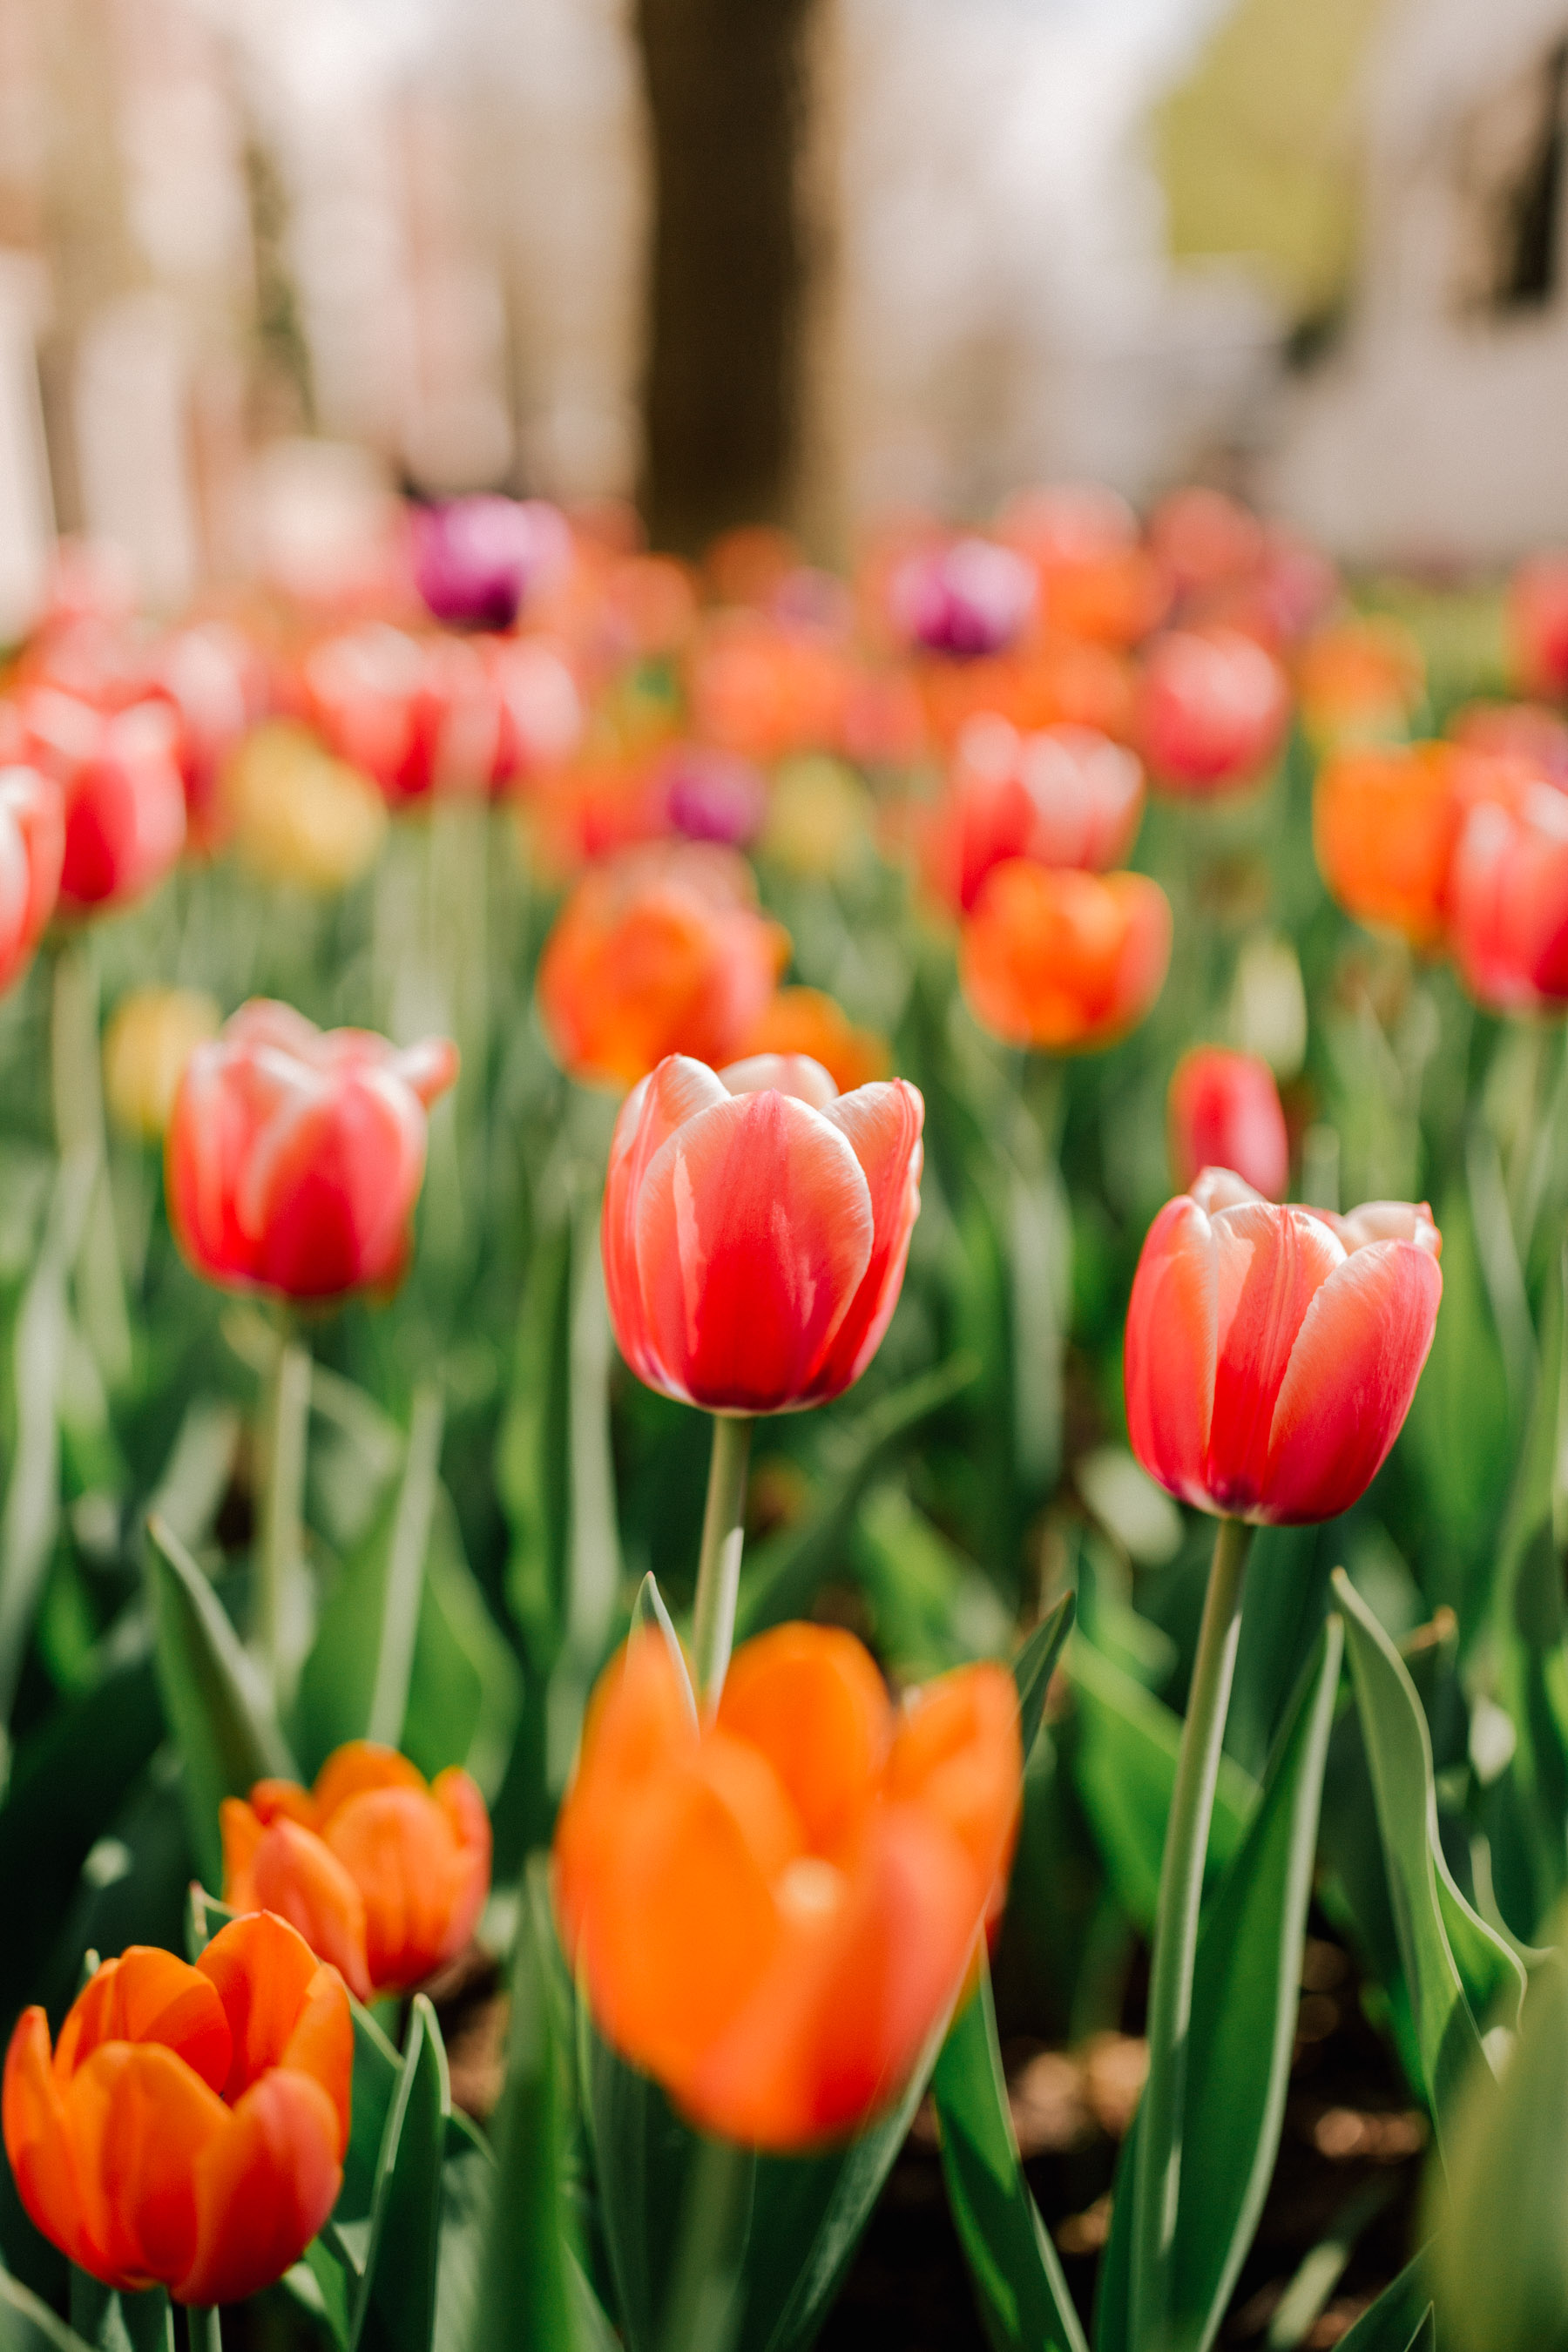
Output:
(1064, 961)
(32, 851)
(1271, 1354)
(295, 1155)
(1213, 706)
(1066, 797)
(764, 688)
(1204, 538)
(970, 598)
(477, 561)
(1224, 1111)
(298, 814)
(662, 951)
(772, 1913)
(188, 2128)
(755, 1229)
(150, 1037)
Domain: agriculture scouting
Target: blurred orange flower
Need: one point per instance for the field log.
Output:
(1384, 823)
(1359, 680)
(1063, 961)
(807, 1021)
(663, 951)
(382, 1875)
(774, 1913)
(188, 2128)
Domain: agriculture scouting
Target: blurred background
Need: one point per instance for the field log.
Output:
(262, 261)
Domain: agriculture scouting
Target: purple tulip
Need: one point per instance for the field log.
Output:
(477, 561)
(969, 598)
(711, 795)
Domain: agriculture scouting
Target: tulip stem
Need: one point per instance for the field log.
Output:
(76, 1057)
(204, 2327)
(719, 1562)
(277, 1610)
(1157, 2177)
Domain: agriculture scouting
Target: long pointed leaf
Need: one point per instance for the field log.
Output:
(27, 2325)
(1401, 2318)
(396, 2310)
(1034, 1666)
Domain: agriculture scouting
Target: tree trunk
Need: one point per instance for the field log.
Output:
(724, 81)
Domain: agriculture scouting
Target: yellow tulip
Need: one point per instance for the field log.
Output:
(150, 1037)
(298, 814)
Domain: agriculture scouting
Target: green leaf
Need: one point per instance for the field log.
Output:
(213, 1699)
(396, 2307)
(1034, 1666)
(354, 1684)
(931, 1606)
(1457, 1969)
(650, 1615)
(1321, 2268)
(1401, 2320)
(533, 1449)
(465, 1692)
(27, 2325)
(1018, 2279)
(1124, 1769)
(113, 2322)
(1242, 2033)
(524, 2288)
(782, 1575)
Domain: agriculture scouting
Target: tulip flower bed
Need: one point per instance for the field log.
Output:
(713, 1632)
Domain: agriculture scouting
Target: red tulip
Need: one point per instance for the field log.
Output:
(663, 951)
(1507, 900)
(1538, 626)
(1205, 540)
(188, 2128)
(1224, 1112)
(1515, 730)
(440, 714)
(124, 795)
(1064, 961)
(32, 847)
(1271, 1354)
(1066, 797)
(1213, 706)
(755, 1228)
(295, 1155)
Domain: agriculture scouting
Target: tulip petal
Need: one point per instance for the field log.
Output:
(395, 1846)
(754, 1229)
(958, 1756)
(1270, 1265)
(295, 1875)
(883, 1123)
(147, 1995)
(658, 1105)
(263, 2187)
(323, 2045)
(1172, 1348)
(330, 1185)
(357, 1765)
(787, 1074)
(810, 1699)
(137, 2119)
(638, 1720)
(264, 1971)
(469, 1872)
(33, 2117)
(1352, 1375)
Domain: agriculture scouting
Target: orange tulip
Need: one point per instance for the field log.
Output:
(1358, 681)
(773, 1914)
(806, 1021)
(188, 2128)
(382, 1875)
(1066, 797)
(1272, 1353)
(1062, 961)
(664, 951)
(1386, 824)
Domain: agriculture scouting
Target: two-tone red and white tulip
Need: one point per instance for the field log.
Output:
(1224, 1111)
(32, 851)
(1213, 705)
(1272, 1353)
(1507, 900)
(1065, 797)
(295, 1155)
(756, 1226)
(124, 795)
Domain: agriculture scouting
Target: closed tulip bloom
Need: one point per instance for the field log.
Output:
(1065, 797)
(755, 1228)
(1386, 824)
(297, 816)
(124, 795)
(215, 682)
(188, 2128)
(32, 851)
(663, 951)
(1224, 1111)
(1508, 901)
(295, 1155)
(1061, 961)
(1538, 626)
(382, 1876)
(774, 1914)
(1213, 705)
(1205, 539)
(1271, 1354)
(970, 598)
(479, 560)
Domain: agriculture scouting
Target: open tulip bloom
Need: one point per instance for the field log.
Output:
(1271, 1356)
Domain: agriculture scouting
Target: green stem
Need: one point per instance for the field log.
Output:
(76, 1074)
(204, 2327)
(719, 1562)
(1157, 2178)
(699, 2313)
(279, 1610)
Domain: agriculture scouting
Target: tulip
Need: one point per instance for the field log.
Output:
(296, 1155)
(188, 2128)
(1272, 1353)
(124, 797)
(663, 951)
(32, 851)
(1212, 709)
(1067, 796)
(763, 687)
(1360, 681)
(1508, 901)
(382, 1876)
(1515, 730)
(819, 817)
(1224, 1112)
(1205, 539)
(774, 1913)
(755, 1228)
(149, 1040)
(215, 682)
(805, 1020)
(1386, 824)
(1096, 581)
(477, 561)
(1062, 961)
(972, 597)
(712, 795)
(1538, 626)
(296, 815)
(420, 715)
